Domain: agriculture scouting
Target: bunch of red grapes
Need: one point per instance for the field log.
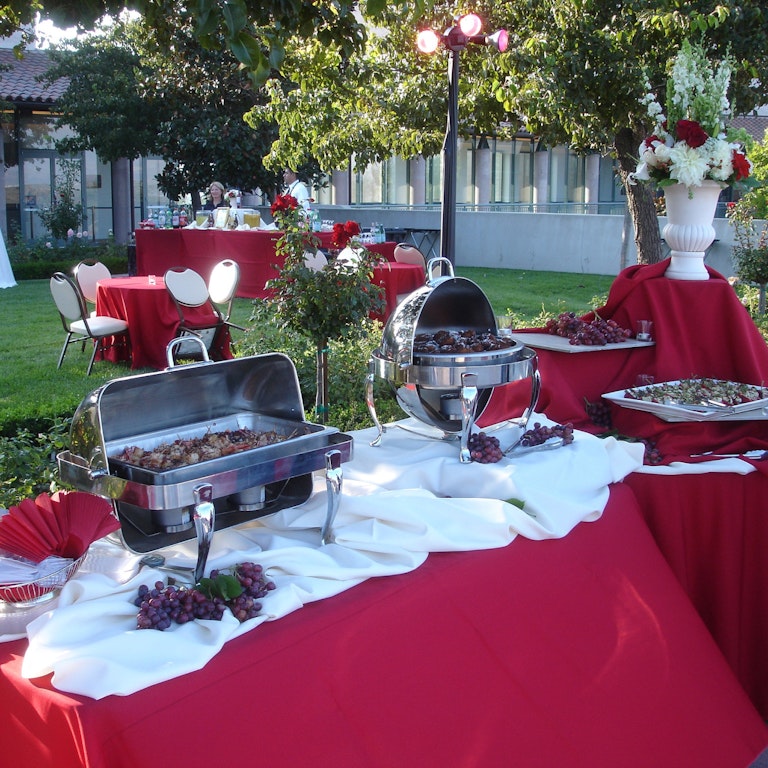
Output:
(596, 333)
(163, 605)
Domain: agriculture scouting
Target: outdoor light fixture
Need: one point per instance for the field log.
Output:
(466, 31)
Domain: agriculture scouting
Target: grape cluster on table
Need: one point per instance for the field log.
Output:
(484, 448)
(596, 333)
(163, 605)
(539, 434)
(599, 413)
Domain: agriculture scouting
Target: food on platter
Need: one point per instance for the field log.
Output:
(597, 332)
(212, 445)
(446, 342)
(705, 392)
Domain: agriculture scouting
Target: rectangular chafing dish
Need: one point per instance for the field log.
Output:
(157, 508)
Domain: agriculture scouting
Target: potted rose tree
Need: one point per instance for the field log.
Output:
(326, 304)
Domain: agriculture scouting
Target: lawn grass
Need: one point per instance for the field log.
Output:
(34, 393)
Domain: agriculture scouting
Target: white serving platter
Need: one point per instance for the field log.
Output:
(752, 411)
(561, 344)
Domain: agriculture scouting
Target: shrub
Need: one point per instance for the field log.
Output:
(28, 462)
(347, 368)
(39, 259)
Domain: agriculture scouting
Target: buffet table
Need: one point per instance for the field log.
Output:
(569, 652)
(709, 525)
(254, 250)
(152, 320)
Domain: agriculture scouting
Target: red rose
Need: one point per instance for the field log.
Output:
(284, 203)
(691, 133)
(352, 228)
(741, 166)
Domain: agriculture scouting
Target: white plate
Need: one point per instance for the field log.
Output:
(561, 344)
(752, 411)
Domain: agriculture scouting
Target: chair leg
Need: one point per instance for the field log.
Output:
(96, 347)
(64, 349)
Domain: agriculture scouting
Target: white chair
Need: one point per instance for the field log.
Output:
(87, 275)
(409, 254)
(187, 288)
(315, 261)
(78, 325)
(222, 287)
(349, 257)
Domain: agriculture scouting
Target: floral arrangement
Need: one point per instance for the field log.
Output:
(343, 233)
(690, 144)
(234, 196)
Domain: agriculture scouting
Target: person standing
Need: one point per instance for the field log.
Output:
(296, 188)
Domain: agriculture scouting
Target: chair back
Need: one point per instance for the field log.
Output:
(315, 261)
(68, 299)
(87, 274)
(222, 284)
(187, 287)
(409, 254)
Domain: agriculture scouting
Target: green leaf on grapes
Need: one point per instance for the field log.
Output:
(224, 586)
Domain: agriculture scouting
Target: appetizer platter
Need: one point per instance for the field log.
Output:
(696, 399)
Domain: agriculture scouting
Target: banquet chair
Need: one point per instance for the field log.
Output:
(409, 254)
(78, 325)
(87, 274)
(188, 289)
(222, 287)
(315, 261)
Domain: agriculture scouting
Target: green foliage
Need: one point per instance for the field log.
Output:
(64, 218)
(325, 304)
(347, 370)
(28, 462)
(39, 259)
(750, 254)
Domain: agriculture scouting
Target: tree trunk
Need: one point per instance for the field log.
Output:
(640, 199)
(321, 396)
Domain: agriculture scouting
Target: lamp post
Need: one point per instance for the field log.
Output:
(465, 32)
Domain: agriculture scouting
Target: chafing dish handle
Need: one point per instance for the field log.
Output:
(369, 401)
(468, 408)
(333, 479)
(204, 516)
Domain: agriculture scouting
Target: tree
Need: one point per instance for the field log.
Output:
(574, 74)
(129, 96)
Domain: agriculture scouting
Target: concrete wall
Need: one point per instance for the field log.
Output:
(572, 242)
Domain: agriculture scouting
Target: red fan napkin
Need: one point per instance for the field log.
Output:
(64, 524)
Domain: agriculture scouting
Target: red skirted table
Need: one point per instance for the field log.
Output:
(152, 320)
(710, 527)
(570, 652)
(254, 250)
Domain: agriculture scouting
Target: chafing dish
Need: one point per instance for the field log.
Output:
(158, 508)
(448, 391)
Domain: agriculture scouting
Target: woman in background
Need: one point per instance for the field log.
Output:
(215, 196)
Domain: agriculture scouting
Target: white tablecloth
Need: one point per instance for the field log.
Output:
(400, 501)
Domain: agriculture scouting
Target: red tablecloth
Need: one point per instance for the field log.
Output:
(152, 320)
(700, 329)
(397, 279)
(712, 530)
(200, 249)
(573, 652)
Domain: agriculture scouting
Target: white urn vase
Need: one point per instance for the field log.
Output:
(689, 231)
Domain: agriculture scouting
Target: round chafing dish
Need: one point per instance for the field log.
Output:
(447, 388)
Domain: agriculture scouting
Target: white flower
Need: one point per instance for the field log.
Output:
(688, 166)
(721, 159)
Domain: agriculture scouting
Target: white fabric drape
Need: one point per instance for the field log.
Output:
(7, 279)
